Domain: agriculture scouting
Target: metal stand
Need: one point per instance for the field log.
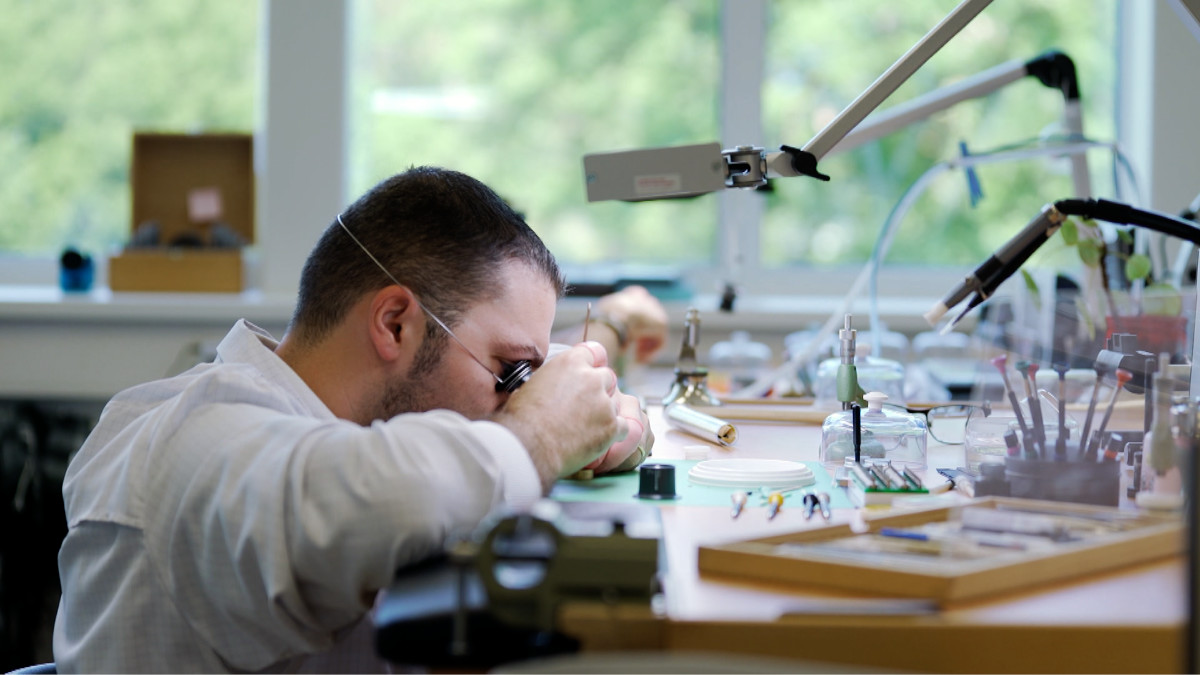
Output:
(691, 379)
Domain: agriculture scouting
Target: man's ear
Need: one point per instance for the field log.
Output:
(396, 322)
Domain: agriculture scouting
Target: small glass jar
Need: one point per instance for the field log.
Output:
(892, 435)
(736, 363)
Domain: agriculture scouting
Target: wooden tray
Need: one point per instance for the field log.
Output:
(962, 559)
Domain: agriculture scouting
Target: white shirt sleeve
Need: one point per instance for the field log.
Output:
(288, 534)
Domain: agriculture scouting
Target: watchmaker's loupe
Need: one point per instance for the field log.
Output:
(515, 375)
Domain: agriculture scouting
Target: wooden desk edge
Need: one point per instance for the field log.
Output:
(917, 643)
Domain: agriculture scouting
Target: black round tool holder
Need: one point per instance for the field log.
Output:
(656, 481)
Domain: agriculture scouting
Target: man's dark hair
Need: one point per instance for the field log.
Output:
(439, 232)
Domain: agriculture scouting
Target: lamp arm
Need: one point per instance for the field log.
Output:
(893, 77)
(803, 161)
(666, 173)
(918, 109)
(1053, 69)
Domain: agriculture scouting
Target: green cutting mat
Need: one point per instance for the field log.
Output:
(624, 488)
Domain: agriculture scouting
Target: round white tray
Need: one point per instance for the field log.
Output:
(751, 473)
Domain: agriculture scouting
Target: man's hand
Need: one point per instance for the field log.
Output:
(644, 318)
(627, 454)
(567, 414)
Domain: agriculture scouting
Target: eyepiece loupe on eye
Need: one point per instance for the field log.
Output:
(515, 375)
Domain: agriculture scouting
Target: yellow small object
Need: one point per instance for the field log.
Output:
(774, 503)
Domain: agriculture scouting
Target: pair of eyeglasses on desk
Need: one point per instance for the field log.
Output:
(947, 423)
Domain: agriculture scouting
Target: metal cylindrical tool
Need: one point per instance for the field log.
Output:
(847, 374)
(686, 418)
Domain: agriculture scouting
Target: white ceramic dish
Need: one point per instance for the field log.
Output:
(751, 473)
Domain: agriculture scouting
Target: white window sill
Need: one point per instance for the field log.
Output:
(772, 313)
(101, 305)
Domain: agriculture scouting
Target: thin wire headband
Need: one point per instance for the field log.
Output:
(515, 374)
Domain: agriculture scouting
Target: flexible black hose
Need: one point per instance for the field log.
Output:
(1124, 214)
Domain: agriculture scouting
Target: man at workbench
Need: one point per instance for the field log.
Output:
(243, 514)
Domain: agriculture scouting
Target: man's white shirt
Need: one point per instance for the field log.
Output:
(225, 519)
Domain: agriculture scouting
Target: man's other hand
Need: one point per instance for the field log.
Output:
(569, 413)
(644, 318)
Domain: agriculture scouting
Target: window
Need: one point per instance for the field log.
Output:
(515, 92)
(822, 53)
(81, 77)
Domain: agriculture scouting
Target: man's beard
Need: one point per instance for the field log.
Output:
(415, 392)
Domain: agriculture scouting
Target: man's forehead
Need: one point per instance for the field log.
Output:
(518, 320)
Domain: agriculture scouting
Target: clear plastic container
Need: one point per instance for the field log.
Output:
(896, 436)
(737, 362)
(984, 441)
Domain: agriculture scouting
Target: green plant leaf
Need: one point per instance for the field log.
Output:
(1125, 236)
(1070, 232)
(1030, 284)
(1082, 310)
(1032, 287)
(1089, 252)
(1137, 267)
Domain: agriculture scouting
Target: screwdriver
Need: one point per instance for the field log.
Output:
(774, 503)
(1123, 376)
(1060, 444)
(1028, 372)
(739, 503)
(1101, 369)
(1001, 364)
(823, 501)
(810, 505)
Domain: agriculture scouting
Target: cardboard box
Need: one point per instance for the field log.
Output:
(176, 271)
(186, 183)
